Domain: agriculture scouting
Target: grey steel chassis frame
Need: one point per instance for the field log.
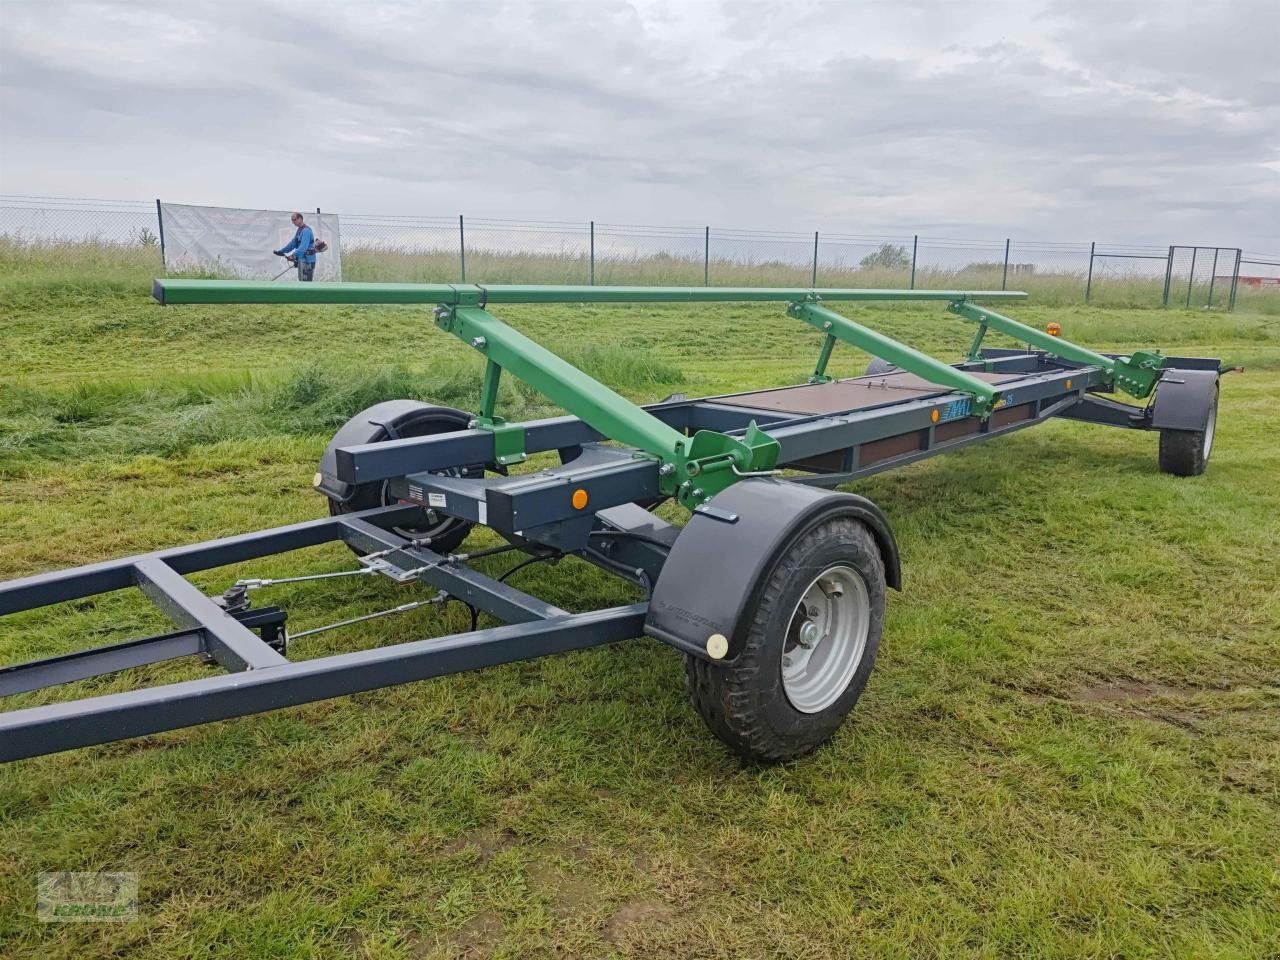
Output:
(829, 433)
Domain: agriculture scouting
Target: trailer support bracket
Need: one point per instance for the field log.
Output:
(985, 397)
(1135, 374)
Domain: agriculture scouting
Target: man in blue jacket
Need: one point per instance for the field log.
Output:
(304, 242)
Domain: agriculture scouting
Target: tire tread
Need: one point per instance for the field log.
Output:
(728, 696)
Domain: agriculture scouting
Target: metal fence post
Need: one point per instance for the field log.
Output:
(1088, 283)
(160, 229)
(1168, 278)
(1004, 277)
(1213, 277)
(813, 280)
(1191, 275)
(593, 253)
(1235, 279)
(462, 248)
(706, 257)
(915, 242)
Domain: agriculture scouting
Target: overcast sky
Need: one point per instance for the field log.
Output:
(1141, 122)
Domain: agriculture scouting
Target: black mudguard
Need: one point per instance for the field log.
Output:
(728, 549)
(371, 425)
(1184, 399)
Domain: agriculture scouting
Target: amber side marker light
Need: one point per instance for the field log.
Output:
(579, 499)
(934, 415)
(1054, 329)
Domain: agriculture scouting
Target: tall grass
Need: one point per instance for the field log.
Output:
(31, 270)
(169, 417)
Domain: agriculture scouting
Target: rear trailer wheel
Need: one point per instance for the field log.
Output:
(878, 367)
(443, 533)
(1185, 453)
(810, 647)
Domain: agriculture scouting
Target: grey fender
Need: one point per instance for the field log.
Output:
(382, 421)
(724, 555)
(1184, 399)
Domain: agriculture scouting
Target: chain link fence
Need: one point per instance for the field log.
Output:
(490, 250)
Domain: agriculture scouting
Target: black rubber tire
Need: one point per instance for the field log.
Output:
(446, 536)
(878, 367)
(744, 703)
(1182, 452)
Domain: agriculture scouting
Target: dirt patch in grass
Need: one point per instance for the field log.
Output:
(477, 937)
(1123, 691)
(485, 841)
(568, 892)
(631, 919)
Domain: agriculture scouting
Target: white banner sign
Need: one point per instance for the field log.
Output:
(238, 243)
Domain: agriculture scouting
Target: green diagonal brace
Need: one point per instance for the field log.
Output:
(693, 469)
(985, 396)
(1135, 374)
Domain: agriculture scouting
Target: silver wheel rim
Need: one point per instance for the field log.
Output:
(1208, 429)
(826, 638)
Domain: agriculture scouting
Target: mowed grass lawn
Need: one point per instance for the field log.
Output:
(1069, 747)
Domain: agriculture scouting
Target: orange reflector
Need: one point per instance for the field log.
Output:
(579, 499)
(934, 416)
(1054, 329)
(1068, 384)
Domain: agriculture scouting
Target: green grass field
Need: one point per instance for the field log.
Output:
(1070, 746)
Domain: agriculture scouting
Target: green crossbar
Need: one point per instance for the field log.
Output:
(464, 294)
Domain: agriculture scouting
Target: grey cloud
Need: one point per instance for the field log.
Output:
(1053, 121)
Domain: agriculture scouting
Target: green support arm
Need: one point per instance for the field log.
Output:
(559, 381)
(985, 396)
(692, 469)
(1136, 374)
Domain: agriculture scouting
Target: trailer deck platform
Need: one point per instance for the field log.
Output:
(855, 393)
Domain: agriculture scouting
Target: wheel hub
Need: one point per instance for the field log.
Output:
(809, 634)
(826, 638)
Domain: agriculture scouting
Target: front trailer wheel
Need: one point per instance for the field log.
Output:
(810, 647)
(402, 420)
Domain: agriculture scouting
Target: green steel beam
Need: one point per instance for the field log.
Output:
(1136, 374)
(692, 469)
(824, 357)
(985, 396)
(169, 291)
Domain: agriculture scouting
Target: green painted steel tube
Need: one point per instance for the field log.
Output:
(1135, 374)
(824, 358)
(1037, 338)
(899, 354)
(169, 291)
(562, 383)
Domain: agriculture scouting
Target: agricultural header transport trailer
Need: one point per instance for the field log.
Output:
(774, 588)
